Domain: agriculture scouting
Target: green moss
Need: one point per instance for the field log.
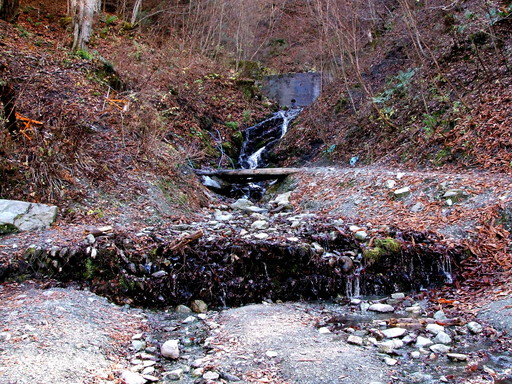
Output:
(373, 255)
(90, 269)
(6, 229)
(388, 244)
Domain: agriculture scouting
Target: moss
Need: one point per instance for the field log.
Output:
(250, 69)
(373, 255)
(7, 228)
(388, 244)
(90, 269)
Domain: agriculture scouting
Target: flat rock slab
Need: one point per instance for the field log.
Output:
(25, 216)
(302, 354)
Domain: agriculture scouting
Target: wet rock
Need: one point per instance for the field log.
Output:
(398, 296)
(229, 377)
(199, 306)
(159, 274)
(183, 309)
(361, 235)
(211, 375)
(440, 315)
(434, 328)
(457, 356)
(442, 338)
(394, 332)
(423, 342)
(356, 340)
(132, 378)
(90, 239)
(174, 375)
(474, 327)
(25, 216)
(381, 308)
(170, 349)
(439, 348)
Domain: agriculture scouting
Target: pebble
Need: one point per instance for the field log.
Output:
(183, 309)
(138, 345)
(402, 192)
(434, 328)
(356, 340)
(229, 377)
(442, 338)
(170, 349)
(271, 354)
(398, 295)
(394, 332)
(415, 354)
(261, 236)
(132, 378)
(260, 225)
(197, 372)
(474, 327)
(440, 315)
(361, 235)
(390, 184)
(389, 361)
(389, 346)
(439, 348)
(382, 308)
(199, 306)
(211, 375)
(323, 330)
(189, 320)
(423, 342)
(174, 374)
(457, 356)
(159, 274)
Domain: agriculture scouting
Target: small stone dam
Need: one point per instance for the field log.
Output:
(160, 268)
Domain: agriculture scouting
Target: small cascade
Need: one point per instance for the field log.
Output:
(446, 268)
(263, 136)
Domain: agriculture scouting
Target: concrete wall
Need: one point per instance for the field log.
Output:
(294, 89)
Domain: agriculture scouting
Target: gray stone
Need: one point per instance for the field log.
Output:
(389, 346)
(241, 204)
(197, 372)
(183, 309)
(170, 349)
(390, 184)
(435, 328)
(132, 378)
(474, 327)
(26, 216)
(423, 342)
(174, 375)
(199, 306)
(439, 348)
(398, 295)
(389, 361)
(356, 340)
(382, 308)
(262, 236)
(256, 209)
(457, 356)
(442, 338)
(282, 199)
(138, 345)
(361, 235)
(159, 274)
(418, 377)
(440, 315)
(229, 377)
(394, 332)
(223, 216)
(259, 225)
(415, 354)
(418, 207)
(454, 194)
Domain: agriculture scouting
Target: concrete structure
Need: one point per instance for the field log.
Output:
(293, 89)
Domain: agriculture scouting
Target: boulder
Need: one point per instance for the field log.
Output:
(22, 216)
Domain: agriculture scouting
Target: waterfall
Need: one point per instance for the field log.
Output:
(263, 136)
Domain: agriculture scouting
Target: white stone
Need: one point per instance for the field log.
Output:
(435, 328)
(457, 356)
(402, 192)
(189, 320)
(356, 340)
(159, 274)
(389, 361)
(170, 349)
(440, 315)
(409, 339)
(354, 228)
(382, 308)
(390, 184)
(423, 342)
(261, 236)
(323, 330)
(211, 375)
(282, 199)
(27, 216)
(389, 346)
(132, 378)
(260, 225)
(271, 354)
(241, 204)
(394, 332)
(398, 295)
(355, 301)
(415, 354)
(198, 372)
(442, 338)
(439, 348)
(199, 306)
(413, 309)
(474, 327)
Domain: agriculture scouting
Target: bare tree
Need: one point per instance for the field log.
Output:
(83, 16)
(8, 9)
(136, 9)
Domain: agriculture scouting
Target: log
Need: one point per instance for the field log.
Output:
(249, 174)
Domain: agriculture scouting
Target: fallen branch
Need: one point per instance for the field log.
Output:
(181, 243)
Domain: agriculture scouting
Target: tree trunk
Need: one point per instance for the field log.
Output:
(7, 98)
(9, 9)
(83, 16)
(136, 9)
